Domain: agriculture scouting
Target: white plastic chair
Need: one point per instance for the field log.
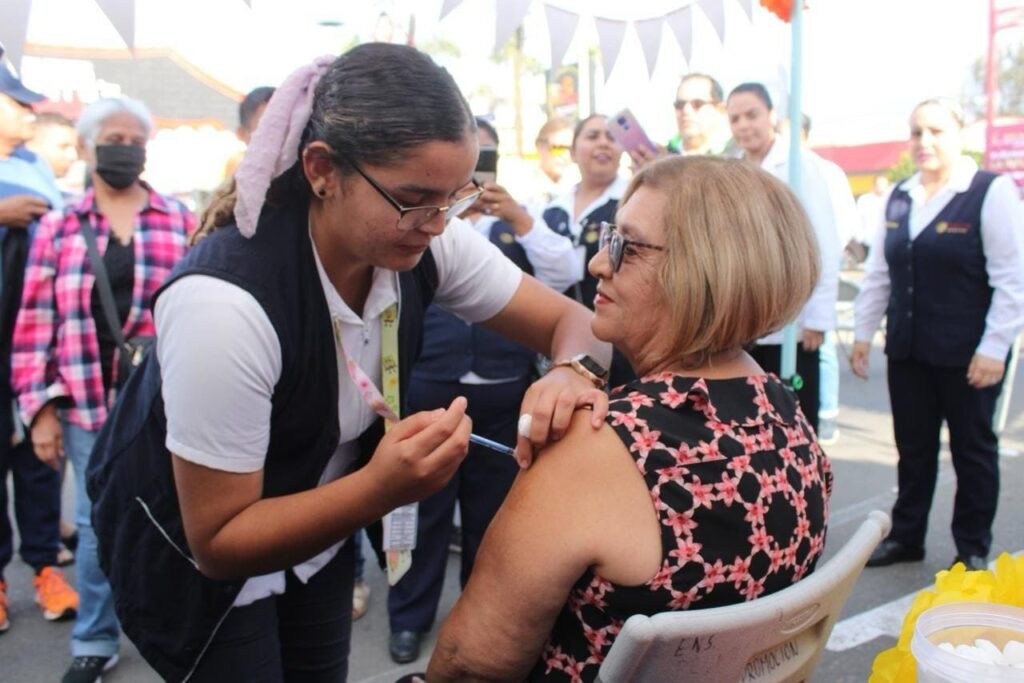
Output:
(775, 639)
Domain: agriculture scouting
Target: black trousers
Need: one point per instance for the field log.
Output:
(922, 396)
(36, 496)
(769, 357)
(480, 486)
(301, 636)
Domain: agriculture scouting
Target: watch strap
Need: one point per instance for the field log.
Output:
(580, 364)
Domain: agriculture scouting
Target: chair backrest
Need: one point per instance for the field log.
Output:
(775, 639)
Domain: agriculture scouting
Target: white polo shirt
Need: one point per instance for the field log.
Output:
(220, 361)
(819, 313)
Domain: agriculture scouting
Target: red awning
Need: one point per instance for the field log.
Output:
(875, 157)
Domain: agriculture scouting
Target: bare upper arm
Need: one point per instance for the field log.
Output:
(581, 504)
(209, 499)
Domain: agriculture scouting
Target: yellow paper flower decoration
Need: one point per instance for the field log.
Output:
(1004, 586)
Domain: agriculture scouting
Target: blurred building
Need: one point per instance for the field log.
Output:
(195, 114)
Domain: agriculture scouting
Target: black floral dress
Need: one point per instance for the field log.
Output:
(740, 487)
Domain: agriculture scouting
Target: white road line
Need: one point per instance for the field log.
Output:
(855, 512)
(884, 620)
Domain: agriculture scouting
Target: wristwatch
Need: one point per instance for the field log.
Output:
(587, 367)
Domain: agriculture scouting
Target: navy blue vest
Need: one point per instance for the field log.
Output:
(558, 220)
(452, 347)
(940, 294)
(166, 607)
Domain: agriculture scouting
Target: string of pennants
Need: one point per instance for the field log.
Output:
(563, 24)
(14, 27)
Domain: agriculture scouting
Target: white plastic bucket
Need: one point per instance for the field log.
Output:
(961, 624)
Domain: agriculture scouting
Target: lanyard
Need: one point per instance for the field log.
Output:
(399, 524)
(387, 404)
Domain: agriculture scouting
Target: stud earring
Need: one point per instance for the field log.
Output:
(322, 192)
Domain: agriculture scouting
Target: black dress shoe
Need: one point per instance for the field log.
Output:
(972, 562)
(404, 646)
(890, 552)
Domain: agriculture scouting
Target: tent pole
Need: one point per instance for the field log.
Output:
(789, 340)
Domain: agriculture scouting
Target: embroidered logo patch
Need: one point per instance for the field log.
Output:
(945, 227)
(897, 209)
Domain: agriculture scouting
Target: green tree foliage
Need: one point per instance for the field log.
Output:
(1010, 82)
(440, 48)
(904, 168)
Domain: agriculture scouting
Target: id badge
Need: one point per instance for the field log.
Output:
(399, 540)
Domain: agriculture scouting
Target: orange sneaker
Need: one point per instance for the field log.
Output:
(5, 623)
(56, 598)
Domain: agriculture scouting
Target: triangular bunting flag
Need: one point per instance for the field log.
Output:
(561, 29)
(681, 23)
(13, 29)
(748, 7)
(714, 10)
(649, 31)
(510, 15)
(609, 37)
(448, 6)
(121, 13)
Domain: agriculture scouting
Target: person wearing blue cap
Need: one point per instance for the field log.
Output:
(27, 191)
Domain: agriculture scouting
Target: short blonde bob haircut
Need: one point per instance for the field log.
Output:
(741, 257)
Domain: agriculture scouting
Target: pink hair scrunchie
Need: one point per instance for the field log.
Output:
(275, 144)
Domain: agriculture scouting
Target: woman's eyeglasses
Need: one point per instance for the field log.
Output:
(412, 217)
(611, 237)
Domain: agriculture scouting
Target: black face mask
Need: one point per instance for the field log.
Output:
(120, 165)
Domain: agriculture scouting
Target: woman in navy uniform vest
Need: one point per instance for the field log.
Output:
(493, 373)
(579, 213)
(947, 271)
(228, 476)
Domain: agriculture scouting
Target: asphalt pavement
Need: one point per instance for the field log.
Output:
(36, 651)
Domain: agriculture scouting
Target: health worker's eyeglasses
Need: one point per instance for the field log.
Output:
(412, 217)
(617, 244)
(696, 105)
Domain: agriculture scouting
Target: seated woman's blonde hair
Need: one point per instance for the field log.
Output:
(741, 256)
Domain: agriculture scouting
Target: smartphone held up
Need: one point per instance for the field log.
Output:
(487, 165)
(629, 134)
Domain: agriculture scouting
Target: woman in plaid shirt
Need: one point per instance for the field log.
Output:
(65, 354)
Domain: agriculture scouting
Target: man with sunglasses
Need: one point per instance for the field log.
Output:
(700, 116)
(702, 121)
